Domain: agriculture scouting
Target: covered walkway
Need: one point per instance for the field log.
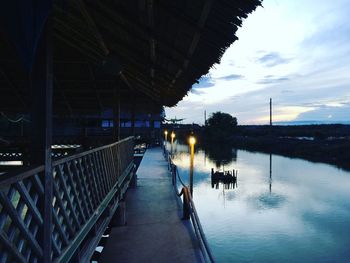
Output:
(154, 231)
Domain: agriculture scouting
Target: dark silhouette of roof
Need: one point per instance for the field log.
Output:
(152, 51)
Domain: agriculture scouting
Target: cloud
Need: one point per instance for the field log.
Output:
(272, 59)
(205, 82)
(302, 62)
(326, 113)
(286, 91)
(269, 79)
(197, 91)
(231, 77)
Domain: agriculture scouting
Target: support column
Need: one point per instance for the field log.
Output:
(119, 218)
(132, 114)
(41, 88)
(116, 113)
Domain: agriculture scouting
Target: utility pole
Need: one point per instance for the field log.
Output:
(205, 117)
(270, 112)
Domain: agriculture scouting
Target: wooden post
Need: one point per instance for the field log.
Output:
(133, 115)
(116, 114)
(41, 85)
(119, 218)
(133, 181)
(185, 203)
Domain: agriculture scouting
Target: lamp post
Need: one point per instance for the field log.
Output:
(172, 136)
(165, 137)
(192, 142)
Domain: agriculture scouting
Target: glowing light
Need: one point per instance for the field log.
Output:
(192, 140)
(166, 132)
(172, 135)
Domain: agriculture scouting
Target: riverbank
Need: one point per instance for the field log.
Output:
(318, 143)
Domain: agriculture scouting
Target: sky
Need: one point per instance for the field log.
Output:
(296, 52)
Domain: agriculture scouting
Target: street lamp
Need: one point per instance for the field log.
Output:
(165, 137)
(192, 142)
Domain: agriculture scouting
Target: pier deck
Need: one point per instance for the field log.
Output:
(154, 231)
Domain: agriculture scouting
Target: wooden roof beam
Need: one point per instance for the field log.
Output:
(201, 23)
(137, 28)
(124, 47)
(150, 13)
(91, 23)
(142, 89)
(14, 88)
(75, 29)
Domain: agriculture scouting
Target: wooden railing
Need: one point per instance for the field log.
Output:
(189, 209)
(87, 188)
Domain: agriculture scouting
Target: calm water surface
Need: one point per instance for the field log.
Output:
(298, 212)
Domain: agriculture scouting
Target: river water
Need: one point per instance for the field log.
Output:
(290, 211)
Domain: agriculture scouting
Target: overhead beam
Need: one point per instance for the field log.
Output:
(152, 42)
(91, 23)
(133, 28)
(14, 88)
(196, 37)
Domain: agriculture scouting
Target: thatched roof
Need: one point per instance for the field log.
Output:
(162, 48)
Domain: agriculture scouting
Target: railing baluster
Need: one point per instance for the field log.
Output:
(88, 178)
(98, 176)
(74, 190)
(95, 178)
(80, 189)
(63, 210)
(106, 170)
(67, 196)
(85, 186)
(29, 202)
(11, 248)
(20, 224)
(103, 171)
(113, 166)
(59, 228)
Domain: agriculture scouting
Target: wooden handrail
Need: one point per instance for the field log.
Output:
(78, 155)
(19, 174)
(189, 209)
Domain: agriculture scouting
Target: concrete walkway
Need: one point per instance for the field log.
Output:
(154, 230)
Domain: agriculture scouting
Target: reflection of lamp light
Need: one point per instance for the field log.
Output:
(172, 135)
(192, 142)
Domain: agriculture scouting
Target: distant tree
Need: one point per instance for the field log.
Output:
(220, 126)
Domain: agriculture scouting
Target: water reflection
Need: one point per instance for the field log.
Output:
(227, 178)
(284, 210)
(221, 154)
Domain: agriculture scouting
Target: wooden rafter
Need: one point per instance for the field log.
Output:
(195, 39)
